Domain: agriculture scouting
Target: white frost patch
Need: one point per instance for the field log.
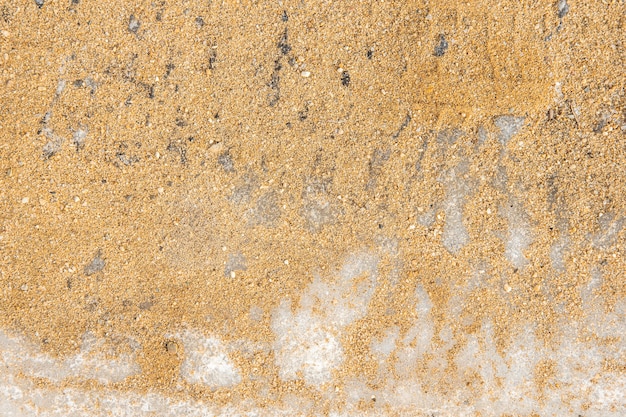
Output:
(383, 347)
(79, 137)
(455, 234)
(304, 344)
(557, 253)
(20, 398)
(519, 235)
(206, 362)
(18, 355)
(509, 126)
(609, 230)
(427, 219)
(418, 338)
(307, 340)
(60, 87)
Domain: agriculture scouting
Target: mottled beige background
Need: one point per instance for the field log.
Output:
(176, 165)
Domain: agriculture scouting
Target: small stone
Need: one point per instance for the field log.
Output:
(216, 147)
(133, 24)
(39, 3)
(507, 288)
(345, 79)
(171, 347)
(441, 47)
(25, 200)
(562, 8)
(305, 74)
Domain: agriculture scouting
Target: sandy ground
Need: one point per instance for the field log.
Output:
(322, 207)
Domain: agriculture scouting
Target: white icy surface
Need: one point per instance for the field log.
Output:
(309, 336)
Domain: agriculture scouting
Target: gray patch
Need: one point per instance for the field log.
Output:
(509, 126)
(39, 3)
(441, 47)
(377, 161)
(455, 234)
(226, 161)
(557, 253)
(482, 135)
(609, 231)
(267, 211)
(133, 24)
(79, 137)
(427, 219)
(317, 213)
(318, 209)
(50, 148)
(562, 8)
(89, 82)
(449, 136)
(55, 142)
(242, 193)
(96, 265)
(236, 262)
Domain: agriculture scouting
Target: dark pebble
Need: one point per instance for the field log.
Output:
(345, 78)
(441, 47)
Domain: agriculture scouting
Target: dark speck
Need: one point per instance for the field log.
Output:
(199, 22)
(441, 47)
(212, 60)
(345, 78)
(284, 17)
(75, 1)
(369, 54)
(168, 69)
(78, 83)
(284, 47)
